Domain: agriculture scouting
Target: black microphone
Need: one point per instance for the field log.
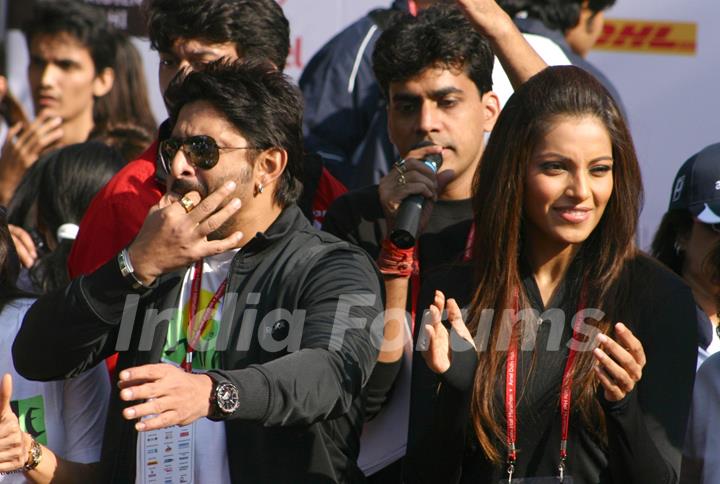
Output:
(407, 220)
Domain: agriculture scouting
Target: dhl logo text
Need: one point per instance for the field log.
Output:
(651, 37)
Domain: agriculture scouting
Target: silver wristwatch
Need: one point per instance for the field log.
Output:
(127, 270)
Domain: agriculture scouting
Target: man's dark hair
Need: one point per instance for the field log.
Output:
(258, 28)
(559, 15)
(87, 24)
(259, 101)
(438, 36)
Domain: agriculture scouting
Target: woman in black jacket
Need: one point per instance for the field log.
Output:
(581, 370)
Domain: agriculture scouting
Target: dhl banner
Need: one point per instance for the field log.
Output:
(648, 36)
(662, 56)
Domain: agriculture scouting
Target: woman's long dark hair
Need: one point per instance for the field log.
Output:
(498, 195)
(68, 181)
(127, 104)
(9, 265)
(714, 263)
(675, 226)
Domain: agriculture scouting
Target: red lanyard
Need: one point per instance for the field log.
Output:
(565, 393)
(412, 7)
(415, 276)
(191, 343)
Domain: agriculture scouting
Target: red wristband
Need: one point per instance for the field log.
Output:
(394, 261)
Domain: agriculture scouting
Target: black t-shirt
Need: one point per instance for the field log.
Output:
(357, 217)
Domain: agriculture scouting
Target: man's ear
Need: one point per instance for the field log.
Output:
(270, 166)
(491, 108)
(103, 82)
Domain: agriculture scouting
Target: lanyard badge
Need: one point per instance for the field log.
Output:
(193, 336)
(565, 394)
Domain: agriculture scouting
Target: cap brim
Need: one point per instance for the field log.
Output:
(709, 213)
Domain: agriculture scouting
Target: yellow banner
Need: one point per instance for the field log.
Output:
(649, 37)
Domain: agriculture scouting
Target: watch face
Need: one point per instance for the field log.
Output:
(227, 398)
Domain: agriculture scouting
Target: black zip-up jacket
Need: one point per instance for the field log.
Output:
(301, 409)
(644, 431)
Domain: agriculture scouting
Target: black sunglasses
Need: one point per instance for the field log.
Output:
(201, 151)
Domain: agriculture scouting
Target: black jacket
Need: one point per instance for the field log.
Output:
(300, 411)
(644, 431)
(345, 118)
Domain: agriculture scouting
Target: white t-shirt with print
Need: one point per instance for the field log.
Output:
(66, 416)
(210, 459)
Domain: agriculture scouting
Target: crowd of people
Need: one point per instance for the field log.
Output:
(419, 265)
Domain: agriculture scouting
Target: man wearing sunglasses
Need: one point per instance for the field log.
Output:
(244, 333)
(187, 35)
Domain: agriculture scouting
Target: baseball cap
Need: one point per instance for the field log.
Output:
(697, 185)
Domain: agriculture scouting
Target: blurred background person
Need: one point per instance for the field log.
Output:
(345, 111)
(11, 111)
(688, 232)
(49, 432)
(124, 113)
(342, 97)
(701, 459)
(574, 25)
(72, 55)
(49, 204)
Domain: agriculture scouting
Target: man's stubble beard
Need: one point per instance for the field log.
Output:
(243, 191)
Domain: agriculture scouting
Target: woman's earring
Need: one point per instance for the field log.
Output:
(259, 189)
(678, 248)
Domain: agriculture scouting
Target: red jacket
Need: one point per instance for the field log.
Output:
(118, 211)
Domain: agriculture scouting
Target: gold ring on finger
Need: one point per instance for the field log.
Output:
(401, 179)
(187, 204)
(400, 166)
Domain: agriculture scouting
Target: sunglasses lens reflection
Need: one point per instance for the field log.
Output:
(168, 150)
(201, 151)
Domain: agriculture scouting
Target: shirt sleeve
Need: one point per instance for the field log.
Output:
(85, 405)
(379, 387)
(646, 431)
(633, 455)
(75, 327)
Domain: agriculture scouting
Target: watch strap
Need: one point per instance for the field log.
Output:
(128, 271)
(34, 456)
(216, 412)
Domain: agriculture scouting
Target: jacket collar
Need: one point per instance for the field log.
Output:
(290, 220)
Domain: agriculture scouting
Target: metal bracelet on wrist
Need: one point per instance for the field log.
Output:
(35, 456)
(128, 272)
